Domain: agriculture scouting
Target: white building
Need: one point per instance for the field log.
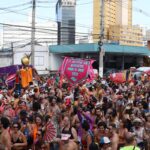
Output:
(41, 60)
(20, 34)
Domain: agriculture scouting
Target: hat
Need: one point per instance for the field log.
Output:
(98, 105)
(137, 120)
(104, 140)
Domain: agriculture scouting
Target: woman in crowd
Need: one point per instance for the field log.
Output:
(87, 136)
(98, 115)
(18, 139)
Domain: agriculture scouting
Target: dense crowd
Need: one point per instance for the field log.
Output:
(101, 115)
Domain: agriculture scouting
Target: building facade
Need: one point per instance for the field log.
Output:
(65, 11)
(19, 34)
(117, 20)
(118, 57)
(148, 35)
(115, 13)
(126, 35)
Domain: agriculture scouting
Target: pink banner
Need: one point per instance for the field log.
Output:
(76, 69)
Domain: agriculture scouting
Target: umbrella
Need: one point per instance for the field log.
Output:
(118, 77)
(50, 133)
(148, 72)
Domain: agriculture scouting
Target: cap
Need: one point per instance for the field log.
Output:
(104, 140)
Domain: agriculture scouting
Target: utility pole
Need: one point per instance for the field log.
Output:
(101, 37)
(33, 33)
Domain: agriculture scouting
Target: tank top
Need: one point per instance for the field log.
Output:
(18, 140)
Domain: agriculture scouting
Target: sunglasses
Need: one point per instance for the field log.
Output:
(16, 127)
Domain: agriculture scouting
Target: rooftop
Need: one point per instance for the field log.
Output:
(93, 47)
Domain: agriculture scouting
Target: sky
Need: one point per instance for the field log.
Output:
(84, 15)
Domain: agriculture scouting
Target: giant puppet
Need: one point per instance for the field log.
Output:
(26, 72)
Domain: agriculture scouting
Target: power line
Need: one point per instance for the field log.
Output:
(37, 28)
(125, 6)
(14, 6)
(74, 34)
(47, 19)
(84, 3)
(139, 10)
(51, 40)
(40, 30)
(38, 1)
(17, 10)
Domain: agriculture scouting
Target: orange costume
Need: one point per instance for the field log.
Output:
(26, 76)
(26, 72)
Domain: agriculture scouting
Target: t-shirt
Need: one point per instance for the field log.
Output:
(130, 148)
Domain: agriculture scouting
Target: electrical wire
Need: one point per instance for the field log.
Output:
(17, 10)
(51, 40)
(115, 36)
(47, 19)
(56, 31)
(139, 10)
(14, 6)
(36, 28)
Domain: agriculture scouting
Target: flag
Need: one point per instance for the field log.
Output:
(76, 70)
(10, 78)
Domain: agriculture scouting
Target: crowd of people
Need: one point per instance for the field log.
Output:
(100, 115)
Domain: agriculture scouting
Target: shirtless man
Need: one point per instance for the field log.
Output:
(70, 146)
(115, 136)
(5, 140)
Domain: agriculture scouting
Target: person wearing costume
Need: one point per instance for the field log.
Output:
(26, 72)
